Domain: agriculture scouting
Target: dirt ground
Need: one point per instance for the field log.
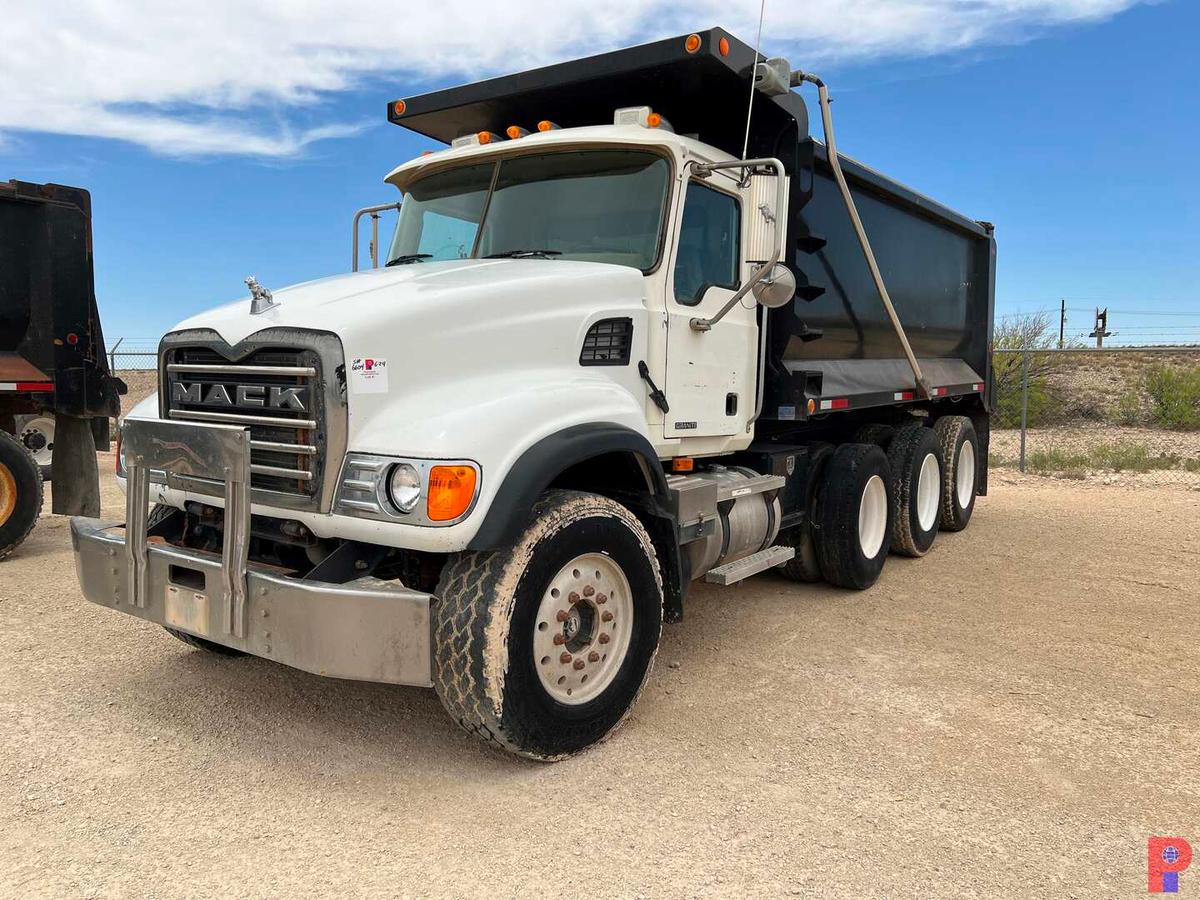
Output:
(1011, 716)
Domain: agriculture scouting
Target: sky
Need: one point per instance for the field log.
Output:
(240, 140)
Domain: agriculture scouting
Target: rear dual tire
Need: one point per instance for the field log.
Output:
(853, 516)
(960, 472)
(914, 456)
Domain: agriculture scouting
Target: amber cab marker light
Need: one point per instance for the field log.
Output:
(653, 120)
(398, 108)
(451, 490)
(683, 464)
(723, 46)
(515, 131)
(691, 43)
(546, 125)
(485, 137)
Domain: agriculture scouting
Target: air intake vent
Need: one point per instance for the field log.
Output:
(607, 343)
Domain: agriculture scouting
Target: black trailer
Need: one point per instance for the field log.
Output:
(834, 357)
(57, 395)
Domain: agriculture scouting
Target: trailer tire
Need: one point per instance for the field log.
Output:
(854, 516)
(960, 470)
(915, 458)
(879, 435)
(20, 493)
(505, 622)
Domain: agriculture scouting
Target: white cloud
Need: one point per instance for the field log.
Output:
(238, 76)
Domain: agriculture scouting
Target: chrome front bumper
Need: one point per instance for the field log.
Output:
(367, 629)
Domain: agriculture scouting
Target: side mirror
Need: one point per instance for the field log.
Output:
(776, 288)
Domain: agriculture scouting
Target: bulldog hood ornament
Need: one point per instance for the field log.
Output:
(260, 298)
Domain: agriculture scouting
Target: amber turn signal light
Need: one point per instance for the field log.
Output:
(451, 490)
(683, 464)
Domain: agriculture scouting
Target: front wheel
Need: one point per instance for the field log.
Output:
(541, 649)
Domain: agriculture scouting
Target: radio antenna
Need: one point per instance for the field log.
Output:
(762, 8)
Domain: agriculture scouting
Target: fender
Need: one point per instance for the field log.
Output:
(544, 461)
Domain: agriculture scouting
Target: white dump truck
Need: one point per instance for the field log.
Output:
(635, 328)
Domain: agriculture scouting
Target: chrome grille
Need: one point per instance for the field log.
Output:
(276, 392)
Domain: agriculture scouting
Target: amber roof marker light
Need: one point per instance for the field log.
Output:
(723, 46)
(691, 43)
(398, 108)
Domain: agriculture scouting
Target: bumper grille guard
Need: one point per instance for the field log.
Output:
(192, 456)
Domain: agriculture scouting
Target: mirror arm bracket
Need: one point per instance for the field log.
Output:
(703, 170)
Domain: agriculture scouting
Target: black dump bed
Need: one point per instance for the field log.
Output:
(834, 343)
(50, 338)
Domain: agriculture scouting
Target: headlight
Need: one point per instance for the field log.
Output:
(404, 487)
(416, 491)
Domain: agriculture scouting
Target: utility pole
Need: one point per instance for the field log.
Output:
(1100, 332)
(1062, 321)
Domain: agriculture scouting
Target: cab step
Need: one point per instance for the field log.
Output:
(733, 572)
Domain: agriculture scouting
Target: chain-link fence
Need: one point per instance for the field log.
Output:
(138, 368)
(1126, 415)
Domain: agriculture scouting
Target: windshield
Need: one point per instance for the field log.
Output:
(594, 205)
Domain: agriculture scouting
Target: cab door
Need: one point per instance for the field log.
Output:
(710, 375)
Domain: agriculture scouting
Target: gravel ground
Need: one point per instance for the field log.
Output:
(1008, 716)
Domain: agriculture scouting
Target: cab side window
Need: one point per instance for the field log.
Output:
(709, 242)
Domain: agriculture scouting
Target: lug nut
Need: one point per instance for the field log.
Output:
(588, 591)
(565, 658)
(560, 639)
(572, 598)
(601, 598)
(593, 656)
(606, 616)
(579, 664)
(604, 638)
(562, 615)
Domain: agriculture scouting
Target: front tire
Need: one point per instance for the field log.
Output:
(541, 649)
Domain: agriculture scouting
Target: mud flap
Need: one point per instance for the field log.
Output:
(73, 470)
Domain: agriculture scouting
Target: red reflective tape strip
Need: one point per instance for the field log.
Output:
(939, 392)
(35, 385)
(902, 395)
(977, 387)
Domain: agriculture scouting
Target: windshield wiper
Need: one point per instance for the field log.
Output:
(408, 258)
(523, 254)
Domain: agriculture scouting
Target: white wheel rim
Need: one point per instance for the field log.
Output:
(872, 516)
(583, 629)
(964, 477)
(929, 489)
(37, 435)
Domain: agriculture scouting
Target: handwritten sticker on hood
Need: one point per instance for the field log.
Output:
(368, 375)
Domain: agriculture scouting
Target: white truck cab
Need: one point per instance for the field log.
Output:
(576, 380)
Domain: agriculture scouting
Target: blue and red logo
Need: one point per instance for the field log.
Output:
(1166, 857)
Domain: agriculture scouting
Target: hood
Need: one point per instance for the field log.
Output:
(360, 304)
